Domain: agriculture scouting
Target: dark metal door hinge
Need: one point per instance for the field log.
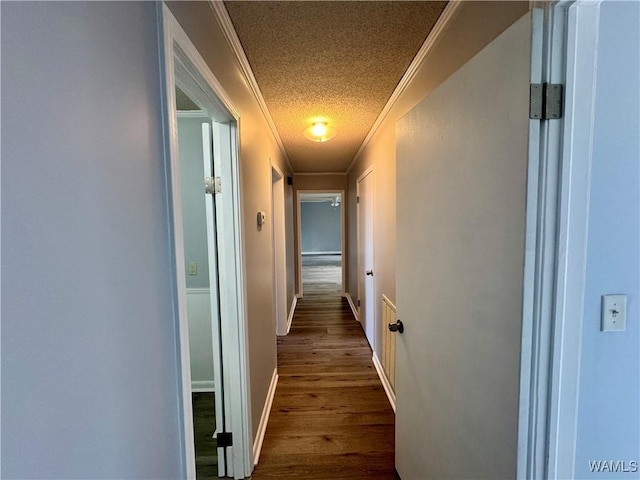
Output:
(545, 101)
(357, 199)
(358, 302)
(224, 439)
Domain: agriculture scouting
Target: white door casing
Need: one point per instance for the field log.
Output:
(366, 281)
(279, 249)
(184, 66)
(461, 193)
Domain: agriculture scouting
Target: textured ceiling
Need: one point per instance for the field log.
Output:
(337, 61)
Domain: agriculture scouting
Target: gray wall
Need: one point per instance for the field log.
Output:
(609, 397)
(89, 381)
(321, 227)
(193, 206)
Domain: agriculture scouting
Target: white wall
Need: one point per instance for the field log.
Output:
(89, 370)
(473, 26)
(609, 396)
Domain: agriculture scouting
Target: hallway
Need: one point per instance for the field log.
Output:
(330, 416)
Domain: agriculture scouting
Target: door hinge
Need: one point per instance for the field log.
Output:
(545, 101)
(358, 199)
(358, 302)
(212, 185)
(224, 439)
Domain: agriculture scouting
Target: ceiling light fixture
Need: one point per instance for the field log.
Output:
(320, 132)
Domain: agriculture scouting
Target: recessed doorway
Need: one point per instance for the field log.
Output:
(321, 242)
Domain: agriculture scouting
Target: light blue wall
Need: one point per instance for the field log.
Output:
(193, 206)
(89, 380)
(321, 227)
(609, 401)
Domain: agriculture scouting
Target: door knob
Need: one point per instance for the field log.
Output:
(397, 327)
(369, 272)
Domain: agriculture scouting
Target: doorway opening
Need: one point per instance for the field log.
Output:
(203, 171)
(321, 242)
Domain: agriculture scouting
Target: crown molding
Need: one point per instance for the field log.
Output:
(409, 75)
(230, 34)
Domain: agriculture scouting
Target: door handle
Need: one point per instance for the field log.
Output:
(369, 272)
(396, 327)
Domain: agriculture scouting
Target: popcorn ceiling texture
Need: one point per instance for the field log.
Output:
(337, 61)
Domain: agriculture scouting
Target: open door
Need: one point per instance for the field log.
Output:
(462, 163)
(214, 282)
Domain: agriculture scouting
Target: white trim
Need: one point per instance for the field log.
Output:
(192, 114)
(202, 386)
(279, 247)
(354, 310)
(343, 233)
(321, 253)
(178, 54)
(292, 311)
(264, 418)
(580, 88)
(385, 381)
(230, 34)
(409, 75)
(198, 291)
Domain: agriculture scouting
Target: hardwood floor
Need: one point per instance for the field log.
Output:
(322, 274)
(204, 425)
(330, 417)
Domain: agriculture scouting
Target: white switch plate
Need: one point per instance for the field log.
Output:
(193, 268)
(614, 313)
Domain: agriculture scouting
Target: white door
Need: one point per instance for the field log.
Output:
(461, 189)
(214, 282)
(366, 294)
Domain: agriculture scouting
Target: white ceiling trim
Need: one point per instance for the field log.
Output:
(230, 34)
(315, 174)
(412, 70)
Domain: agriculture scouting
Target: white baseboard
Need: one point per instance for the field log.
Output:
(264, 419)
(351, 304)
(292, 310)
(322, 253)
(385, 382)
(202, 386)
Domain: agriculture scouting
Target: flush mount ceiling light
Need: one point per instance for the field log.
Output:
(320, 132)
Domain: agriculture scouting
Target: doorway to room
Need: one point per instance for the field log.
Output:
(321, 242)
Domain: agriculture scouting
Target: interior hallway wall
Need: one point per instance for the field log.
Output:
(474, 25)
(193, 205)
(257, 148)
(89, 370)
(608, 425)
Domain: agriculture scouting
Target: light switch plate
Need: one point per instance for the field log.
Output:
(193, 268)
(614, 313)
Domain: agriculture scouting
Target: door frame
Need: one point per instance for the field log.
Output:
(178, 52)
(278, 230)
(299, 194)
(557, 227)
(359, 247)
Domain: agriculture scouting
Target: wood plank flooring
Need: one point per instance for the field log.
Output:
(330, 417)
(204, 426)
(322, 274)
